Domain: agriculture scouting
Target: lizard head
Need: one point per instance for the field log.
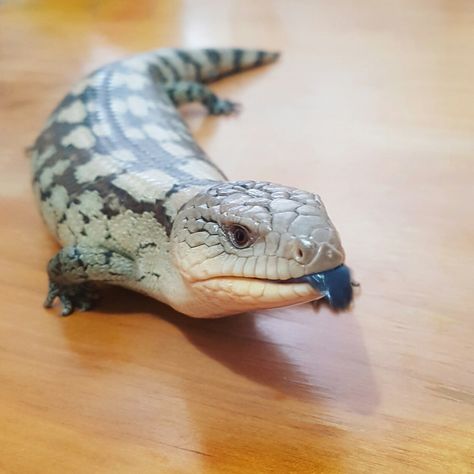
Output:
(249, 245)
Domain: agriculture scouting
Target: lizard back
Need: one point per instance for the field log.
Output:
(116, 142)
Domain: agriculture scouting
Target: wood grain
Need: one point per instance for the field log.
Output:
(372, 106)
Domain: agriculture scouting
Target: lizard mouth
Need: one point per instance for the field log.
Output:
(332, 285)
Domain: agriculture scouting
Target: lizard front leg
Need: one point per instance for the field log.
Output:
(73, 271)
(183, 92)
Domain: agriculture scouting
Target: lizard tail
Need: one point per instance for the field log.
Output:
(200, 65)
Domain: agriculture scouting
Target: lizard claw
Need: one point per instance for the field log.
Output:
(81, 296)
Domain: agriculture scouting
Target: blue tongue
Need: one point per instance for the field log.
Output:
(334, 284)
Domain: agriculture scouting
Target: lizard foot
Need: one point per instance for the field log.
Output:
(80, 296)
(223, 107)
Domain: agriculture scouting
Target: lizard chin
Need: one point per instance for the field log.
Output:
(223, 296)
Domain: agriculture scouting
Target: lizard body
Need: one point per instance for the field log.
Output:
(135, 202)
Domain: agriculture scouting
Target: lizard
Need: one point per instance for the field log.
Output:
(134, 201)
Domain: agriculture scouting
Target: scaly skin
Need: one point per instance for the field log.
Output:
(134, 201)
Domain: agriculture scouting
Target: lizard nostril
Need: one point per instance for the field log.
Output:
(304, 251)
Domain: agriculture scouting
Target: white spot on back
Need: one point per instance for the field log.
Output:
(139, 63)
(91, 202)
(133, 81)
(176, 150)
(98, 165)
(79, 137)
(48, 174)
(118, 79)
(94, 81)
(136, 82)
(118, 106)
(134, 133)
(41, 158)
(165, 107)
(58, 200)
(102, 129)
(80, 87)
(74, 113)
(92, 107)
(123, 155)
(145, 186)
(160, 133)
(137, 106)
(201, 170)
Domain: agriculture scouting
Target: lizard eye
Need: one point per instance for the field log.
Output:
(239, 236)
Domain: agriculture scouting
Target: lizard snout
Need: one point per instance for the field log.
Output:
(316, 255)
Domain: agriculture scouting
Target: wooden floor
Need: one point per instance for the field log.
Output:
(371, 106)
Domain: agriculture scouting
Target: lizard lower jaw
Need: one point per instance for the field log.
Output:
(238, 294)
